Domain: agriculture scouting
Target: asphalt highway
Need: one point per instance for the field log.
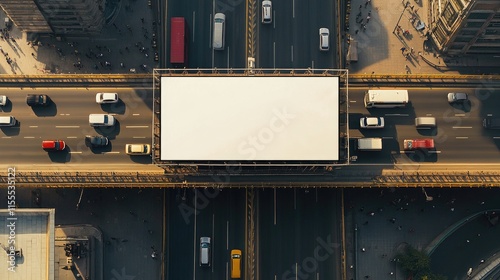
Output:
(459, 137)
(66, 118)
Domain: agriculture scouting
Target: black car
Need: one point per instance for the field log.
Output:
(96, 141)
(37, 100)
(156, 56)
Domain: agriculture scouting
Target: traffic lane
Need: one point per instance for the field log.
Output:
(236, 222)
(283, 24)
(220, 242)
(265, 41)
(200, 27)
(305, 24)
(286, 248)
(205, 221)
(237, 37)
(180, 228)
(323, 13)
(267, 234)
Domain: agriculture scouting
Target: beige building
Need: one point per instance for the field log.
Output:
(60, 17)
(465, 27)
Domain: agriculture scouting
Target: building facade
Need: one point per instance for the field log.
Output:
(59, 17)
(465, 27)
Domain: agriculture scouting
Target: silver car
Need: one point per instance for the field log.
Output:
(371, 122)
(324, 35)
(457, 97)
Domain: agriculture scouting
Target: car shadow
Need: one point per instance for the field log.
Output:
(109, 131)
(7, 107)
(115, 108)
(422, 155)
(428, 131)
(60, 156)
(463, 106)
(146, 159)
(11, 130)
(100, 150)
(45, 111)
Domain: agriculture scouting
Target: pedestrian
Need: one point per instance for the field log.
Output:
(368, 19)
(412, 50)
(411, 7)
(32, 54)
(142, 20)
(363, 249)
(357, 30)
(366, 3)
(370, 13)
(360, 6)
(364, 27)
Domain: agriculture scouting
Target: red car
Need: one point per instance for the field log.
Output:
(53, 145)
(414, 144)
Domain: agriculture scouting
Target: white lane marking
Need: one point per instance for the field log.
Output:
(75, 152)
(489, 115)
(139, 137)
(137, 126)
(459, 115)
(6, 137)
(461, 127)
(461, 137)
(428, 115)
(135, 114)
(434, 152)
(403, 115)
(29, 137)
(111, 152)
(63, 114)
(33, 126)
(352, 101)
(71, 137)
(67, 126)
(496, 137)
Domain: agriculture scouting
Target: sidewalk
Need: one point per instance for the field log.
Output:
(384, 49)
(127, 39)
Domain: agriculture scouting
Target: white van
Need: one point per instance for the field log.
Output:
(370, 144)
(219, 30)
(101, 120)
(8, 121)
(425, 122)
(204, 251)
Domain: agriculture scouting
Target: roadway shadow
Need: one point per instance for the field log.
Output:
(109, 131)
(422, 155)
(11, 130)
(116, 108)
(7, 107)
(100, 150)
(60, 156)
(45, 111)
(464, 106)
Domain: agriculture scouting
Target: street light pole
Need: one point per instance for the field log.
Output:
(397, 24)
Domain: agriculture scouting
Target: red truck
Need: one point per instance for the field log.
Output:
(178, 41)
(414, 144)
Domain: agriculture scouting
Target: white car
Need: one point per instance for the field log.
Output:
(101, 120)
(137, 149)
(324, 35)
(3, 100)
(106, 97)
(371, 122)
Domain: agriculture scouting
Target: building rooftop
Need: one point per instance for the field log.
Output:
(34, 237)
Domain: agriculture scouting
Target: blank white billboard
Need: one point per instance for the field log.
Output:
(249, 119)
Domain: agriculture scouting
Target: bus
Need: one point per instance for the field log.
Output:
(178, 41)
(235, 263)
(386, 98)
